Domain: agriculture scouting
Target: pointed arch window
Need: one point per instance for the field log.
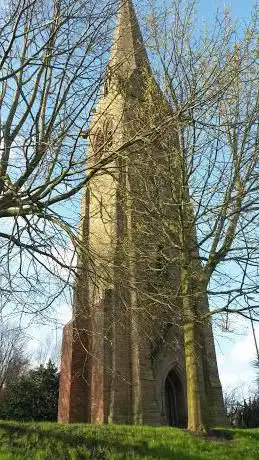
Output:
(103, 140)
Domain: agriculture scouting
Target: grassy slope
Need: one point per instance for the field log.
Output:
(76, 442)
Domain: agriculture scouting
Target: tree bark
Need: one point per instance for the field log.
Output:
(194, 373)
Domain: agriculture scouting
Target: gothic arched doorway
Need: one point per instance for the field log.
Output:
(174, 400)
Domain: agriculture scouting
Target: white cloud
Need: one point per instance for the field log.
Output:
(244, 350)
(235, 356)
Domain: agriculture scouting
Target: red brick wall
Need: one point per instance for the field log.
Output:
(74, 388)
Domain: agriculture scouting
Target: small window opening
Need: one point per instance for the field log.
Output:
(103, 141)
(107, 81)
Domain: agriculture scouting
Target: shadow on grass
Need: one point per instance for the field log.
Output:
(221, 435)
(89, 445)
(246, 433)
(103, 443)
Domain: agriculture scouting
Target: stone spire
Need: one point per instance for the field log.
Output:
(128, 53)
(119, 362)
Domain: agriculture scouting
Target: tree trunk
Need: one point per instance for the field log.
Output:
(196, 397)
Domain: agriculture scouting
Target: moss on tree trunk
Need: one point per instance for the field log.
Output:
(196, 397)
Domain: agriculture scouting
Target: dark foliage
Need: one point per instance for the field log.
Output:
(245, 414)
(34, 396)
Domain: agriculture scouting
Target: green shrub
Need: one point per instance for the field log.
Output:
(34, 396)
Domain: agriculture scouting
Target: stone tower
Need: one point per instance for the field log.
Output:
(123, 356)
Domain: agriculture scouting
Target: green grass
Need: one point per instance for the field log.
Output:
(75, 442)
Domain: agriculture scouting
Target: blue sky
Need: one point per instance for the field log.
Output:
(241, 8)
(235, 350)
